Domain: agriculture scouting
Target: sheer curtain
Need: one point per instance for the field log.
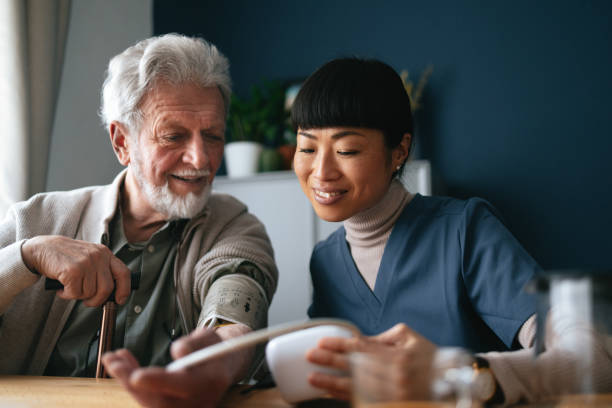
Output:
(32, 39)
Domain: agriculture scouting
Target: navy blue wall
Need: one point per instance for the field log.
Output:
(518, 109)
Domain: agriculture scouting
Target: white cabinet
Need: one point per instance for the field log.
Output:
(277, 200)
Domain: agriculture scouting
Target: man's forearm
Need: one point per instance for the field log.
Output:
(240, 361)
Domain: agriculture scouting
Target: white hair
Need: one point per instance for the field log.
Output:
(172, 58)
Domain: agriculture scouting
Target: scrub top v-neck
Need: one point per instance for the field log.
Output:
(450, 270)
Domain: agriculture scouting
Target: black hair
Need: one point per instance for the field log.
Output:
(354, 92)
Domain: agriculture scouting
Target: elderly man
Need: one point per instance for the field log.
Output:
(206, 264)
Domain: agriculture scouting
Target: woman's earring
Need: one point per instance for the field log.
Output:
(398, 167)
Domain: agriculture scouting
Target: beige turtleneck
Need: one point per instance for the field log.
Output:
(367, 233)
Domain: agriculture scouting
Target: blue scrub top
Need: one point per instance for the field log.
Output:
(450, 270)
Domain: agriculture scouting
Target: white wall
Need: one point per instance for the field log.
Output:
(81, 153)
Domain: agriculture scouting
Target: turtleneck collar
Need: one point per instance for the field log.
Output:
(368, 227)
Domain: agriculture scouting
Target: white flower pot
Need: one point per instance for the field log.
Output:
(242, 158)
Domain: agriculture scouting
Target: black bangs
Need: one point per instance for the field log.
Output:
(354, 92)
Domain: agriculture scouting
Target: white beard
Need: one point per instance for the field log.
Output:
(164, 201)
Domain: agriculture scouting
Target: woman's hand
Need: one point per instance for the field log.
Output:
(408, 376)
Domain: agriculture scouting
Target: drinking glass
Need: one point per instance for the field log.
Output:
(574, 327)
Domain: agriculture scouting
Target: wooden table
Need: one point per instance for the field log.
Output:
(64, 392)
(67, 392)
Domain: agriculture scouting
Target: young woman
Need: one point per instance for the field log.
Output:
(448, 270)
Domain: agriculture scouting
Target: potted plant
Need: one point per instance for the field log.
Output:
(255, 127)
(243, 147)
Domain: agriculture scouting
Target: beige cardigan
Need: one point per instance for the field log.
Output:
(224, 241)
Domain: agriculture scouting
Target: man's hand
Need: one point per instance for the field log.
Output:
(88, 271)
(198, 386)
(407, 378)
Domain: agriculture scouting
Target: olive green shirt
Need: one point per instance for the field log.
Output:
(146, 324)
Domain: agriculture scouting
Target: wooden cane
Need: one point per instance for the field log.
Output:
(107, 330)
(107, 324)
